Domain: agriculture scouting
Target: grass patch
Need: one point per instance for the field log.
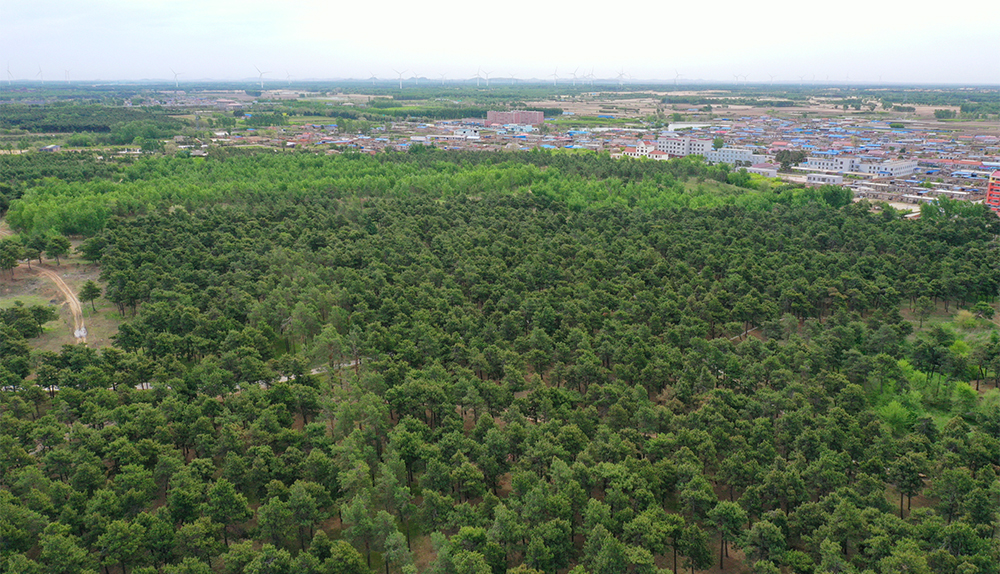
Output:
(300, 120)
(101, 324)
(591, 121)
(955, 320)
(26, 300)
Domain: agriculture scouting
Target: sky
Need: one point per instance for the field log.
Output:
(846, 41)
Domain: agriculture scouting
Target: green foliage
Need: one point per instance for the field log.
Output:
(116, 121)
(566, 379)
(788, 158)
(11, 251)
(89, 292)
(57, 245)
(897, 416)
(587, 181)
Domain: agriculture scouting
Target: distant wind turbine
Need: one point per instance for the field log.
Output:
(67, 75)
(176, 83)
(10, 77)
(400, 77)
(39, 75)
(573, 73)
(372, 78)
(677, 76)
(555, 76)
(478, 77)
(772, 78)
(288, 78)
(260, 76)
(621, 74)
(487, 74)
(442, 79)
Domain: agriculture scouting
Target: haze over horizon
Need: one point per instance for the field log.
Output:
(228, 40)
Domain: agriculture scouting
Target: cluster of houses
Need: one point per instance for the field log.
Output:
(907, 165)
(877, 158)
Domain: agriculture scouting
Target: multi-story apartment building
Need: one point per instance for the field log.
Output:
(734, 156)
(679, 146)
(890, 167)
(839, 164)
(887, 168)
(515, 117)
(645, 149)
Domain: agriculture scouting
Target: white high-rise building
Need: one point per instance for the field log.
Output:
(680, 146)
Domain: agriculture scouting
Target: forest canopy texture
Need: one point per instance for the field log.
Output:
(537, 363)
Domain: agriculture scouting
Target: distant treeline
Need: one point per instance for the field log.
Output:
(83, 118)
(393, 109)
(701, 100)
(78, 205)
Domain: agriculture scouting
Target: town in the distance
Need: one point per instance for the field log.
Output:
(507, 327)
(903, 145)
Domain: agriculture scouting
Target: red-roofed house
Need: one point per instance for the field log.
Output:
(993, 192)
(645, 149)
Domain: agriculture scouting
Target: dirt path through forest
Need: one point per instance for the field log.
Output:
(79, 329)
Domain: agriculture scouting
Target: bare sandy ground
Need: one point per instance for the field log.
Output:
(79, 329)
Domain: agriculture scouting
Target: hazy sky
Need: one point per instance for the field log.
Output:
(856, 40)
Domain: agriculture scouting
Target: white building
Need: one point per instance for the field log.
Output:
(840, 164)
(765, 169)
(824, 179)
(890, 168)
(732, 155)
(646, 149)
(886, 168)
(680, 146)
